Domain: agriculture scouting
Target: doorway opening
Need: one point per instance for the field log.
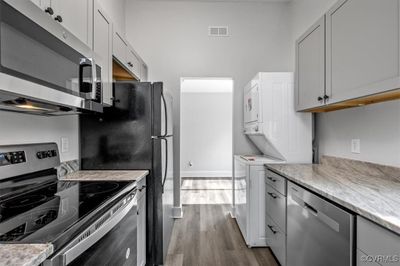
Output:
(206, 140)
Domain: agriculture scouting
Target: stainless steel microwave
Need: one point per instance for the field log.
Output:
(43, 67)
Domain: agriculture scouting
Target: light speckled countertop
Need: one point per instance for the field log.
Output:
(370, 190)
(24, 254)
(106, 175)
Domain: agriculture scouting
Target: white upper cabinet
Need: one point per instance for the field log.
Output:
(133, 62)
(362, 48)
(45, 5)
(352, 53)
(76, 16)
(102, 46)
(310, 67)
(120, 47)
(126, 56)
(143, 72)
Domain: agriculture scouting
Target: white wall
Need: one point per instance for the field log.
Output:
(206, 128)
(116, 10)
(377, 126)
(21, 129)
(172, 37)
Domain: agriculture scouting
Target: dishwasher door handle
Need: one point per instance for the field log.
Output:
(326, 219)
(310, 208)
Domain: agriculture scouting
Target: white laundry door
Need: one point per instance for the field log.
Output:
(252, 105)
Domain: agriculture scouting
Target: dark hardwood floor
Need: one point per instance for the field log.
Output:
(207, 235)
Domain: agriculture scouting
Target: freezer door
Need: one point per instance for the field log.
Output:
(120, 138)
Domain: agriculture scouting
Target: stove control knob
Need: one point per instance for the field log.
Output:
(39, 155)
(8, 157)
(49, 154)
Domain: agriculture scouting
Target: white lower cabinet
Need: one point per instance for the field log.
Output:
(276, 239)
(376, 244)
(141, 220)
(275, 214)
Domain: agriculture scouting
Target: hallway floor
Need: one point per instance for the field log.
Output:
(208, 236)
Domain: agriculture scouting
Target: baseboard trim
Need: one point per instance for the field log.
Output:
(177, 212)
(206, 174)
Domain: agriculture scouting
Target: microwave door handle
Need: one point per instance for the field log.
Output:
(84, 62)
(94, 79)
(82, 65)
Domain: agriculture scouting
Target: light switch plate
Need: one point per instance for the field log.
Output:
(64, 145)
(355, 146)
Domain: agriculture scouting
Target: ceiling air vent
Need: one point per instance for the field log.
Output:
(218, 31)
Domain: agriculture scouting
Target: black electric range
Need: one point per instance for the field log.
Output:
(36, 207)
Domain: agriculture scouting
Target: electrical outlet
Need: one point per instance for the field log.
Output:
(355, 146)
(64, 145)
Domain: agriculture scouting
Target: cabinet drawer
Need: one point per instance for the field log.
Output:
(276, 207)
(376, 241)
(276, 240)
(276, 181)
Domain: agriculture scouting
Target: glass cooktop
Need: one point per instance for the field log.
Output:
(54, 211)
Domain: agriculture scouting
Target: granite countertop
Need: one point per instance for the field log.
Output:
(24, 254)
(106, 175)
(370, 190)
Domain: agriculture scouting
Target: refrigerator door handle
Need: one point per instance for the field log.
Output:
(165, 114)
(161, 137)
(166, 163)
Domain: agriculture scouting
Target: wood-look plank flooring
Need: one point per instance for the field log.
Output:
(206, 191)
(208, 236)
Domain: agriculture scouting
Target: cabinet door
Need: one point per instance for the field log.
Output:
(77, 16)
(362, 48)
(42, 4)
(310, 67)
(133, 63)
(119, 48)
(141, 256)
(144, 72)
(102, 46)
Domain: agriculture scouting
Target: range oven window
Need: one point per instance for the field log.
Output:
(29, 52)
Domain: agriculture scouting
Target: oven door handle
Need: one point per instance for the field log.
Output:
(76, 249)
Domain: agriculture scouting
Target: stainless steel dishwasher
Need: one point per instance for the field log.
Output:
(318, 232)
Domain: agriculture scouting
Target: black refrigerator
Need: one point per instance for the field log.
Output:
(136, 134)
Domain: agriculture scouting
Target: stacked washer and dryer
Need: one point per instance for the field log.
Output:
(281, 134)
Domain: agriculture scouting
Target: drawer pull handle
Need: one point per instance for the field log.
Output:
(272, 229)
(273, 195)
(272, 179)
